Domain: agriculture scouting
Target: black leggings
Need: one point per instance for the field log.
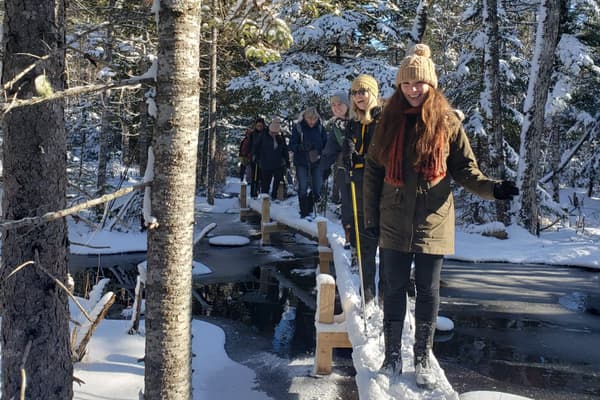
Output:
(396, 278)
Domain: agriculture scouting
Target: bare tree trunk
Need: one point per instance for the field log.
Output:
(556, 154)
(169, 281)
(492, 101)
(105, 131)
(534, 111)
(212, 114)
(104, 144)
(35, 315)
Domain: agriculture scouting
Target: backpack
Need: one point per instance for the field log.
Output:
(245, 148)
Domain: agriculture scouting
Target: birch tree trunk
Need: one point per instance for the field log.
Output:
(491, 100)
(532, 130)
(35, 314)
(169, 281)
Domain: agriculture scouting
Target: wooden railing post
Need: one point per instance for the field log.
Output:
(325, 252)
(243, 201)
(266, 219)
(328, 337)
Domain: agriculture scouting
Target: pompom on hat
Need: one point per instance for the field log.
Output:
(417, 66)
(364, 81)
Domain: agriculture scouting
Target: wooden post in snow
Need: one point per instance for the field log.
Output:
(331, 329)
(325, 253)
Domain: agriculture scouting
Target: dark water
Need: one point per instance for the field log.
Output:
(536, 357)
(525, 356)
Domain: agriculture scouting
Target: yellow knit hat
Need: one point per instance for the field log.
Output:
(417, 66)
(365, 81)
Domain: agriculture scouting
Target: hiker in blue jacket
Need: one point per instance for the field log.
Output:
(307, 143)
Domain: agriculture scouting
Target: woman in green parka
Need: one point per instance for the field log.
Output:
(418, 147)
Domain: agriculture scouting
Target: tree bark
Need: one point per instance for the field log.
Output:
(105, 131)
(35, 313)
(169, 281)
(212, 117)
(532, 130)
(492, 101)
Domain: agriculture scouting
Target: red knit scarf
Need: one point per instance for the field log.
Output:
(433, 169)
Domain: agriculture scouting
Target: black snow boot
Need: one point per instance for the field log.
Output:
(424, 374)
(306, 205)
(392, 335)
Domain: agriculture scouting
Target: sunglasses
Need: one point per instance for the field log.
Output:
(361, 91)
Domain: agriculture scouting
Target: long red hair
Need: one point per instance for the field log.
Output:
(430, 126)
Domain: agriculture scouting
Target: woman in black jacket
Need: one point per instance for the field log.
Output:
(271, 154)
(364, 113)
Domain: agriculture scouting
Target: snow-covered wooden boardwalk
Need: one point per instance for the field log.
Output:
(367, 344)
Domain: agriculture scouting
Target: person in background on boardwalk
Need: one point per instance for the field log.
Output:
(332, 155)
(307, 143)
(259, 128)
(365, 110)
(418, 148)
(245, 155)
(272, 156)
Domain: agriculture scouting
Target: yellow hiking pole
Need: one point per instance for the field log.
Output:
(358, 253)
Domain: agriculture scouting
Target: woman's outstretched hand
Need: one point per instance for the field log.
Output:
(505, 190)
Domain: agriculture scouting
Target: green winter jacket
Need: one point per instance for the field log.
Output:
(419, 216)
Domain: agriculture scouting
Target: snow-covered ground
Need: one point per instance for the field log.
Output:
(112, 355)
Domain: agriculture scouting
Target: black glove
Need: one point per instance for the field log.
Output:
(505, 190)
(372, 232)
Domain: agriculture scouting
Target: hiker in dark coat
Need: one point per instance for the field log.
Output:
(333, 156)
(245, 156)
(271, 153)
(307, 143)
(259, 128)
(419, 147)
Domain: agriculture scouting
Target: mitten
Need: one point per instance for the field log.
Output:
(505, 190)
